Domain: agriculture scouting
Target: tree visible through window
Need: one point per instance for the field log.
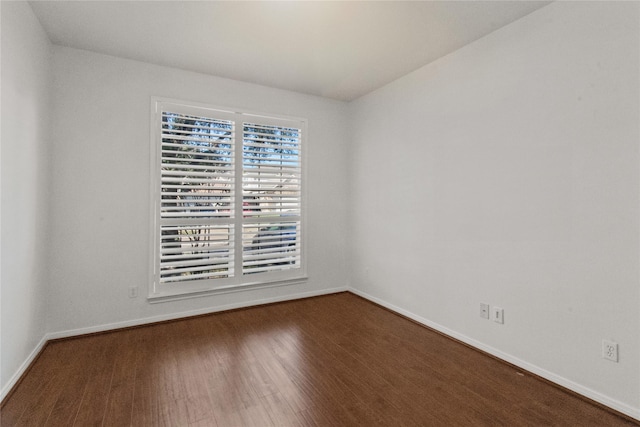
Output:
(228, 205)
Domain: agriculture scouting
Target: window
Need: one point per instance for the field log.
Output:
(227, 199)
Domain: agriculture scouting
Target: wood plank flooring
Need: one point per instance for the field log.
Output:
(335, 360)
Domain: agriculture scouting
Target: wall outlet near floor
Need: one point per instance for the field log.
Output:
(133, 292)
(497, 314)
(610, 350)
(484, 310)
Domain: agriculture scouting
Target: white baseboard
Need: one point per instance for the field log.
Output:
(573, 386)
(139, 322)
(22, 369)
(183, 314)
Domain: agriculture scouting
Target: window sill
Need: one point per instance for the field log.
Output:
(167, 297)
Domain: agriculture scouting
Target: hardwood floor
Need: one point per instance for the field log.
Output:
(335, 360)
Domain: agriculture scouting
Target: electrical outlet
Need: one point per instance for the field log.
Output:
(133, 291)
(497, 315)
(484, 310)
(610, 350)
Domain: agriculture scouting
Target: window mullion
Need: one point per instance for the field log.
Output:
(238, 206)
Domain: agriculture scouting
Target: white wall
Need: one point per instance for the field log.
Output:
(507, 173)
(26, 82)
(100, 209)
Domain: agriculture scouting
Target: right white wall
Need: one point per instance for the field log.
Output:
(507, 173)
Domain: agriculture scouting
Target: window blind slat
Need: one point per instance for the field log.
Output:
(169, 118)
(207, 275)
(185, 257)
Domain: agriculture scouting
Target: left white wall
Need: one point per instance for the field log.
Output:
(26, 86)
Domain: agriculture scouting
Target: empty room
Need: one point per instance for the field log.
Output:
(331, 213)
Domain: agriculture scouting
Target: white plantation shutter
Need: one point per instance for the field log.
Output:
(196, 198)
(271, 195)
(227, 199)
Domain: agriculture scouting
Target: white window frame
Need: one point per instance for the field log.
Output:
(185, 289)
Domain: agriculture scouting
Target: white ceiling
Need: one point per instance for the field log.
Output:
(335, 49)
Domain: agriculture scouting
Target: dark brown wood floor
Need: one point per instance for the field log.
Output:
(336, 360)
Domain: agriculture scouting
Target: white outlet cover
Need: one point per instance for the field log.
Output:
(497, 314)
(484, 310)
(610, 350)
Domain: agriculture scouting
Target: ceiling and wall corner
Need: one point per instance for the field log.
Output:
(338, 50)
